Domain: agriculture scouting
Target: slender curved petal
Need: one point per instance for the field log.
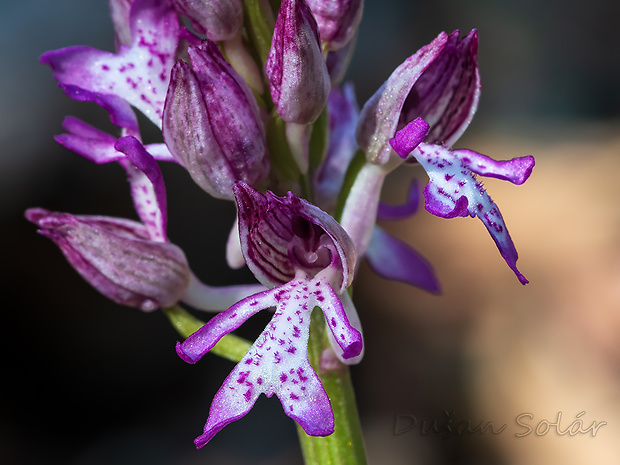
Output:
(393, 259)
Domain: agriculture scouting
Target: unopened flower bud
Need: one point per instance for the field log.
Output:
(338, 20)
(218, 19)
(117, 258)
(298, 77)
(212, 125)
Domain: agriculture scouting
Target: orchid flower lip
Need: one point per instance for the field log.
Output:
(453, 189)
(277, 363)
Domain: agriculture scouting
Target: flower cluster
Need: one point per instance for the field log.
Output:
(252, 106)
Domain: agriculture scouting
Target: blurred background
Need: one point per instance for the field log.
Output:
(89, 382)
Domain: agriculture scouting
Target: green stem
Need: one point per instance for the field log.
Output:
(230, 347)
(346, 445)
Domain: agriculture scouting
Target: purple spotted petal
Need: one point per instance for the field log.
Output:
(337, 20)
(117, 258)
(140, 73)
(147, 186)
(298, 79)
(393, 259)
(281, 236)
(405, 210)
(350, 353)
(277, 363)
(453, 189)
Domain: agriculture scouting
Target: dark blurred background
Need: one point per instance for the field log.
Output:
(89, 382)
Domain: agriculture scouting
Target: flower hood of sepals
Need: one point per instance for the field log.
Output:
(453, 189)
(440, 83)
(118, 258)
(139, 73)
(281, 236)
(212, 123)
(337, 20)
(217, 19)
(298, 79)
(277, 363)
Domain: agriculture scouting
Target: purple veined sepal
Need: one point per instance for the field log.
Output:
(337, 20)
(453, 189)
(138, 73)
(277, 363)
(212, 123)
(217, 19)
(440, 83)
(118, 257)
(298, 78)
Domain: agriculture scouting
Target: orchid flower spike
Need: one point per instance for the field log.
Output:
(307, 260)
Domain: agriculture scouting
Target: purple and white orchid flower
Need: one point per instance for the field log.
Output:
(138, 73)
(453, 189)
(292, 245)
(131, 263)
